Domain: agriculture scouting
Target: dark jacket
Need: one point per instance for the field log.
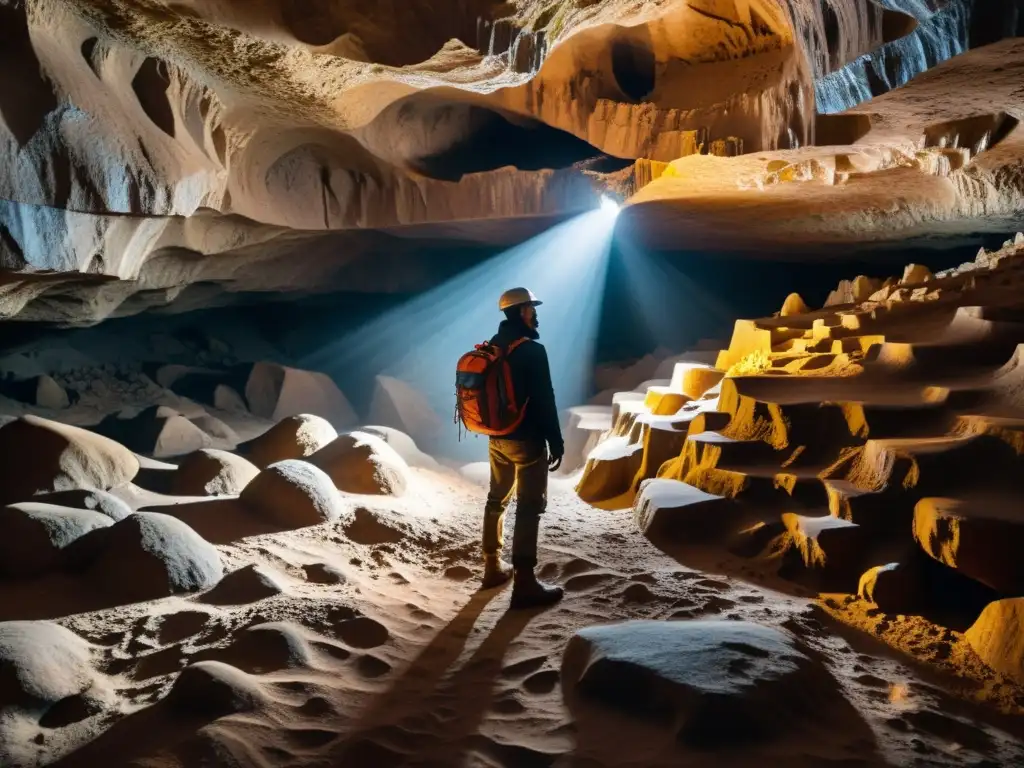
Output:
(531, 377)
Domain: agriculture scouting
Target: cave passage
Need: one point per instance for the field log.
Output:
(497, 142)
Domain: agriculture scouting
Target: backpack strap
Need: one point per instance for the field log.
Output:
(511, 347)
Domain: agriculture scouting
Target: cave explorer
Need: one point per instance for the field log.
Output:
(522, 458)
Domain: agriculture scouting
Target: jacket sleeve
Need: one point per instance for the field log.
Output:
(542, 394)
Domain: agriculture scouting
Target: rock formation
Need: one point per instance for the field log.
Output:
(871, 448)
(166, 154)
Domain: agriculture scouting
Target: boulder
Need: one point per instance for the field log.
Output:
(90, 499)
(40, 455)
(150, 555)
(209, 472)
(42, 391)
(794, 305)
(915, 274)
(712, 683)
(294, 494)
(159, 431)
(827, 549)
(404, 446)
(50, 394)
(214, 689)
(276, 392)
(894, 587)
(41, 663)
(32, 536)
(293, 438)
(998, 637)
(358, 462)
(216, 429)
(226, 398)
(980, 538)
(246, 585)
(396, 404)
(268, 647)
(668, 511)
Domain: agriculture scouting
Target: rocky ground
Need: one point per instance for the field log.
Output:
(211, 574)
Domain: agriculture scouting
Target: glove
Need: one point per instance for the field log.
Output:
(555, 459)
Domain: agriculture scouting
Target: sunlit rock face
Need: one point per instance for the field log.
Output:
(152, 146)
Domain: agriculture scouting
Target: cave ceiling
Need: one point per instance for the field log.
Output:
(177, 153)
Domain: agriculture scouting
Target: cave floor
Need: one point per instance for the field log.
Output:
(436, 673)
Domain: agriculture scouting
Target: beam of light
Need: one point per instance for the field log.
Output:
(421, 341)
(673, 309)
(609, 206)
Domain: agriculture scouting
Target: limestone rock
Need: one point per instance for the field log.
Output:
(295, 437)
(150, 555)
(324, 573)
(998, 639)
(294, 494)
(713, 683)
(89, 499)
(825, 548)
(358, 462)
(41, 663)
(916, 273)
(698, 380)
(982, 539)
(404, 446)
(214, 689)
(855, 291)
(794, 305)
(33, 535)
(159, 431)
(50, 394)
(246, 585)
(668, 509)
(894, 588)
(276, 392)
(210, 472)
(226, 398)
(398, 405)
(216, 429)
(42, 455)
(610, 469)
(269, 647)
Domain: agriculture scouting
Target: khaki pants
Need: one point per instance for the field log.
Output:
(521, 465)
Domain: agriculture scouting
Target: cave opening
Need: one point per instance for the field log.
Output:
(634, 67)
(495, 141)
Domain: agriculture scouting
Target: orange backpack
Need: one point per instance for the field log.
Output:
(485, 398)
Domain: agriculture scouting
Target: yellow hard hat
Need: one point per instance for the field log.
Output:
(514, 297)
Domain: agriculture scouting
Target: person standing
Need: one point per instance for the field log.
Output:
(520, 460)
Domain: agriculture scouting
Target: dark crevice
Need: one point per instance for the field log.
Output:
(26, 96)
(841, 129)
(759, 25)
(220, 144)
(634, 67)
(896, 25)
(995, 20)
(11, 255)
(88, 53)
(831, 21)
(497, 143)
(716, 17)
(976, 133)
(150, 84)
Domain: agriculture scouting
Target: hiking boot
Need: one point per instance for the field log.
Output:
(528, 592)
(496, 572)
